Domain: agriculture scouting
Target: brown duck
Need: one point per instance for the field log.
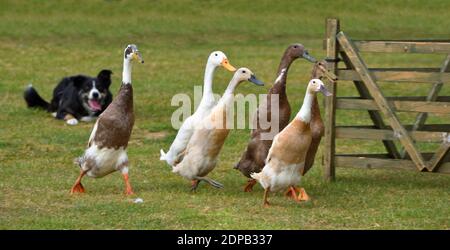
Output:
(106, 152)
(253, 158)
(317, 128)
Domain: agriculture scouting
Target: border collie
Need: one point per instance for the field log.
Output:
(75, 97)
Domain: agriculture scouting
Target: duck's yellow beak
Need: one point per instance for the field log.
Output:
(137, 56)
(227, 65)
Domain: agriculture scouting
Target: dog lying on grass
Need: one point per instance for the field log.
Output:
(75, 98)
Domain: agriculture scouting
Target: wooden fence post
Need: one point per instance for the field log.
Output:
(332, 27)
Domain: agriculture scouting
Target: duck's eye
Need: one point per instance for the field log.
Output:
(314, 82)
(243, 71)
(215, 54)
(295, 46)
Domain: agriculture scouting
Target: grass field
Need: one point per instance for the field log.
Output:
(42, 41)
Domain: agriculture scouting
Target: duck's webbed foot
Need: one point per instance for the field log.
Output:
(303, 196)
(78, 187)
(194, 185)
(292, 193)
(210, 181)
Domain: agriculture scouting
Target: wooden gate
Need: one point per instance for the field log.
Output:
(382, 110)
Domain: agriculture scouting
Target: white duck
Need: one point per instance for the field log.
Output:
(287, 154)
(106, 152)
(207, 140)
(174, 155)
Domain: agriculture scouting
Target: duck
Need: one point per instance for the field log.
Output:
(107, 145)
(287, 155)
(319, 71)
(173, 156)
(202, 151)
(253, 158)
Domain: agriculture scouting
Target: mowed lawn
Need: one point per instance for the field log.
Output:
(42, 41)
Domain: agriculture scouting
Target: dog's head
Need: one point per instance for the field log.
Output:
(94, 93)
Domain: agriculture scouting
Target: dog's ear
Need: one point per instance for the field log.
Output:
(78, 80)
(104, 77)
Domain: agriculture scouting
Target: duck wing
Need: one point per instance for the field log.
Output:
(317, 129)
(94, 130)
(113, 127)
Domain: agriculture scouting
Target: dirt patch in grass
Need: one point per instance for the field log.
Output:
(155, 135)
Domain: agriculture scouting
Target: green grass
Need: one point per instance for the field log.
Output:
(42, 41)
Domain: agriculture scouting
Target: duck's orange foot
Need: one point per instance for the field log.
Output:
(303, 196)
(194, 185)
(292, 193)
(77, 188)
(128, 189)
(249, 186)
(266, 204)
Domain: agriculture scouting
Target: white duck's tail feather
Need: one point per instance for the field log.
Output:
(163, 155)
(262, 179)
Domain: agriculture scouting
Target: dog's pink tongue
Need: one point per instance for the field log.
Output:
(95, 105)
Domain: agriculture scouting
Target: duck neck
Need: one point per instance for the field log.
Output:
(305, 111)
(232, 86)
(207, 82)
(126, 73)
(283, 69)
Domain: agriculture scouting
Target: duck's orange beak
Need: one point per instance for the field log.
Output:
(227, 65)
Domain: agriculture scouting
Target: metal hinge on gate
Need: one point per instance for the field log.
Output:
(333, 60)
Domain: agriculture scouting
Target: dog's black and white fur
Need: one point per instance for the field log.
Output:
(75, 98)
